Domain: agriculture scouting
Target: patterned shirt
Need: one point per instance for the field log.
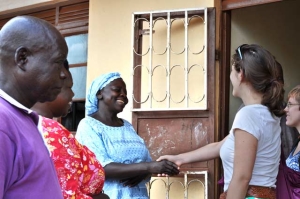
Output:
(119, 145)
(293, 161)
(80, 174)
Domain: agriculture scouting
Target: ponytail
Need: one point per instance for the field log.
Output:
(264, 73)
(273, 98)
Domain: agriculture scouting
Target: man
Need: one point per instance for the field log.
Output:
(32, 54)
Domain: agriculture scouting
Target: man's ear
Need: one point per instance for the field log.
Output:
(21, 56)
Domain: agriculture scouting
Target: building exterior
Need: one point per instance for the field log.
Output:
(102, 37)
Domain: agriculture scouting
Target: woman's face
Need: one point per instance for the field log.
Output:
(62, 104)
(114, 96)
(293, 113)
(235, 81)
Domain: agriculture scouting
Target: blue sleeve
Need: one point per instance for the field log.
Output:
(86, 135)
(148, 159)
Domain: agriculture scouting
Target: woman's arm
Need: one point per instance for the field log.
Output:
(204, 153)
(245, 149)
(86, 136)
(123, 171)
(100, 196)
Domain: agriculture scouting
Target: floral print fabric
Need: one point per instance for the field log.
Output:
(80, 174)
(293, 160)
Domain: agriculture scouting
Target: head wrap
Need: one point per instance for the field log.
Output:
(91, 104)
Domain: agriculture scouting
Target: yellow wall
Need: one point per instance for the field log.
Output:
(17, 5)
(276, 27)
(109, 47)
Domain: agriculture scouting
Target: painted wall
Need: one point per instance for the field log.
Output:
(276, 27)
(109, 47)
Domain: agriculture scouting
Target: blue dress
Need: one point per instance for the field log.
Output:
(293, 160)
(115, 144)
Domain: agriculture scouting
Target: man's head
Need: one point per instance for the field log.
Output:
(32, 55)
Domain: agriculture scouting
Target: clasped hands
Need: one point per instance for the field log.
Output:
(160, 167)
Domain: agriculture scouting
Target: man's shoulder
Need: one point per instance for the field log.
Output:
(5, 108)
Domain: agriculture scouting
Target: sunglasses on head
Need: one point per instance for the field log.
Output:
(239, 50)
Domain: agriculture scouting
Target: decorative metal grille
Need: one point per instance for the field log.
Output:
(170, 79)
(201, 181)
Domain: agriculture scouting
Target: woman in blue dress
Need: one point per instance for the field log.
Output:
(121, 151)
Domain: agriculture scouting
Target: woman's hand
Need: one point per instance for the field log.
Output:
(133, 181)
(100, 196)
(163, 167)
(173, 158)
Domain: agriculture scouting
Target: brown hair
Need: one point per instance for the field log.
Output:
(265, 74)
(295, 92)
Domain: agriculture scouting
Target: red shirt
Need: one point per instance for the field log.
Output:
(80, 174)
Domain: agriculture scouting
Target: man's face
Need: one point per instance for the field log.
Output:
(47, 71)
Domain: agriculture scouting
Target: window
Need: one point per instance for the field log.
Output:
(72, 20)
(68, 18)
(170, 60)
(77, 58)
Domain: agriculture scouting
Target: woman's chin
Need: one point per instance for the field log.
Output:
(65, 113)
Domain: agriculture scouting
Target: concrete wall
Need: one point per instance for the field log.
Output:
(276, 27)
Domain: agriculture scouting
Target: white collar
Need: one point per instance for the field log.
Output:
(14, 102)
